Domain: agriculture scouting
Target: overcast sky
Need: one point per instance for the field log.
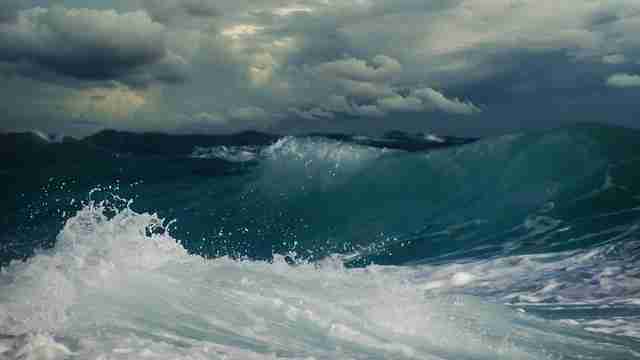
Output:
(461, 67)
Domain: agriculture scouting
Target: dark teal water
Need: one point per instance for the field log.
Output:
(318, 196)
(548, 221)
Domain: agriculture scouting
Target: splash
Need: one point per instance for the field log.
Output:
(118, 285)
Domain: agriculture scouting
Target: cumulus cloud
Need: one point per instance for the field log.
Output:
(367, 110)
(425, 100)
(418, 100)
(312, 114)
(368, 88)
(381, 68)
(614, 59)
(435, 99)
(84, 43)
(363, 89)
(399, 103)
(338, 104)
(207, 117)
(250, 114)
(251, 63)
(622, 80)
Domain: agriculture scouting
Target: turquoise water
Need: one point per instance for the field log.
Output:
(326, 247)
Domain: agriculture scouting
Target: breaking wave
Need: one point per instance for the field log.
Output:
(524, 246)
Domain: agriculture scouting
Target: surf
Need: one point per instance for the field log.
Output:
(523, 246)
(117, 284)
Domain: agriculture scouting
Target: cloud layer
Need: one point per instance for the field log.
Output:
(353, 65)
(87, 44)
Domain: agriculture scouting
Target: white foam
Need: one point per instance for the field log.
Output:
(434, 138)
(50, 138)
(461, 279)
(615, 326)
(589, 277)
(292, 162)
(35, 346)
(111, 288)
(311, 150)
(228, 153)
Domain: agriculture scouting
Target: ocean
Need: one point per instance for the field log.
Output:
(323, 246)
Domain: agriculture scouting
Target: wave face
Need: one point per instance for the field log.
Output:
(519, 247)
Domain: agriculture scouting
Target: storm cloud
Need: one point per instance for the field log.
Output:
(459, 66)
(87, 44)
(166, 11)
(9, 10)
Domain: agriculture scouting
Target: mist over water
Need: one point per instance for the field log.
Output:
(519, 247)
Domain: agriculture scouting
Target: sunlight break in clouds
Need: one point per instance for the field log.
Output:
(238, 31)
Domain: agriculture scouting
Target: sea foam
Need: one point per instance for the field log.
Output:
(117, 285)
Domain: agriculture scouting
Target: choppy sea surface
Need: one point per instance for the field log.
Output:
(329, 246)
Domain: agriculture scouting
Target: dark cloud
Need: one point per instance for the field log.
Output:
(168, 11)
(602, 17)
(85, 44)
(9, 10)
(200, 8)
(83, 123)
(470, 66)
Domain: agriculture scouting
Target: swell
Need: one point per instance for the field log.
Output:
(547, 223)
(561, 190)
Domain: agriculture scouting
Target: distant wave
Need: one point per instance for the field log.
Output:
(50, 138)
(228, 153)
